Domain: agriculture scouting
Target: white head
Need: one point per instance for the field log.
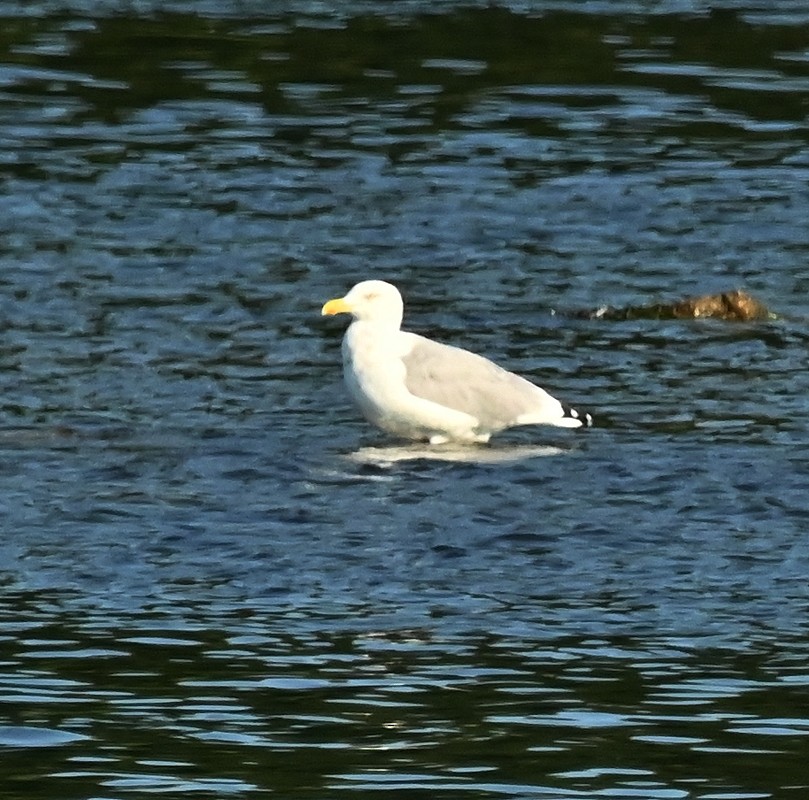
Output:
(370, 301)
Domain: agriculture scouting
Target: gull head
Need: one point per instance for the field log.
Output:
(369, 301)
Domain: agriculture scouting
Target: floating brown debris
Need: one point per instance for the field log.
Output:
(735, 306)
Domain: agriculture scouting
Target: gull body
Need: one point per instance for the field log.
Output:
(419, 389)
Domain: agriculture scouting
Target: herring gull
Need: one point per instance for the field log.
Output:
(419, 389)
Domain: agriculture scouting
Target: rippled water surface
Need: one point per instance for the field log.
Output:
(217, 581)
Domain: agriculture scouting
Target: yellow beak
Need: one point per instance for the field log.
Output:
(336, 306)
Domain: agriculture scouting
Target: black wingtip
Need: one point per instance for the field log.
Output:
(583, 417)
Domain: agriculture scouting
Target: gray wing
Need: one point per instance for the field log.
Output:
(470, 383)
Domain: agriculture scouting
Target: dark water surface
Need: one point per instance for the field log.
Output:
(216, 581)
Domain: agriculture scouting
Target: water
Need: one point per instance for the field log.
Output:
(218, 581)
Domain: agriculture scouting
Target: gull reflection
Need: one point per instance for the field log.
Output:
(381, 456)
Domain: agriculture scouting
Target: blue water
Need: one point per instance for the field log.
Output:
(216, 580)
